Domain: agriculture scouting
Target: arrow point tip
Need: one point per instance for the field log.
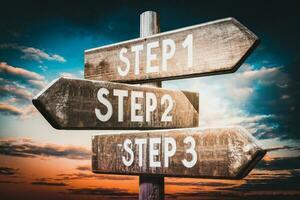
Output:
(245, 170)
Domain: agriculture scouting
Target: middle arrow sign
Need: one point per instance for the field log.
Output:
(85, 104)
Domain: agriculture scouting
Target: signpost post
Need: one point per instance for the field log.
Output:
(151, 187)
(95, 103)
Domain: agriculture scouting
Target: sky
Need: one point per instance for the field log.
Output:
(43, 40)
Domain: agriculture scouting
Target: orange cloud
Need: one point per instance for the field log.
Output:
(28, 148)
(23, 112)
(6, 108)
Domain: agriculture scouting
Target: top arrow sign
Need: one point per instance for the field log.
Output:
(210, 48)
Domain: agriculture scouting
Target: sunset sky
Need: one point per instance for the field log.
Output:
(44, 40)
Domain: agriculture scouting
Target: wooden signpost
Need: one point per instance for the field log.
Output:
(150, 186)
(210, 48)
(85, 104)
(206, 153)
(205, 49)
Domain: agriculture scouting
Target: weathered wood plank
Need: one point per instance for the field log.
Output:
(210, 48)
(85, 104)
(228, 153)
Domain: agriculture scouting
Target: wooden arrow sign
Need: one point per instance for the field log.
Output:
(228, 153)
(210, 48)
(85, 104)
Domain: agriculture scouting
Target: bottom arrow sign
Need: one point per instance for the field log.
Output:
(229, 153)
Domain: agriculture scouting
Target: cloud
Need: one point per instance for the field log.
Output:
(8, 171)
(11, 100)
(265, 75)
(68, 75)
(28, 111)
(21, 148)
(11, 182)
(102, 192)
(90, 175)
(202, 184)
(38, 55)
(35, 54)
(84, 168)
(43, 67)
(13, 75)
(43, 182)
(16, 91)
(24, 112)
(279, 148)
(19, 72)
(9, 109)
(280, 163)
(284, 97)
(17, 88)
(260, 184)
(38, 83)
(229, 99)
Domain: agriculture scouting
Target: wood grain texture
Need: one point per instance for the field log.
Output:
(218, 47)
(151, 188)
(228, 153)
(70, 104)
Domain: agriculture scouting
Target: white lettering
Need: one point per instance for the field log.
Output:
(136, 49)
(151, 104)
(150, 57)
(105, 102)
(128, 149)
(126, 61)
(188, 42)
(154, 152)
(165, 117)
(171, 152)
(120, 94)
(191, 150)
(165, 54)
(136, 106)
(140, 143)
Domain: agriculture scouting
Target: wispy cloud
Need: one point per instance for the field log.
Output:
(44, 182)
(102, 192)
(16, 91)
(28, 148)
(17, 87)
(84, 168)
(31, 53)
(280, 163)
(68, 75)
(24, 112)
(11, 75)
(9, 109)
(38, 55)
(260, 184)
(19, 72)
(90, 175)
(43, 67)
(8, 171)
